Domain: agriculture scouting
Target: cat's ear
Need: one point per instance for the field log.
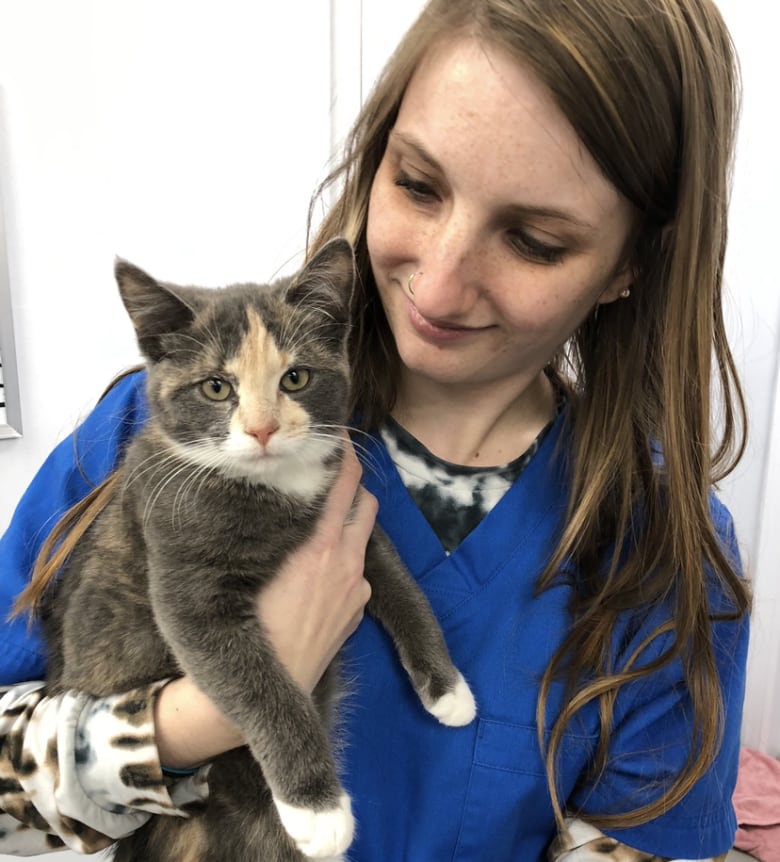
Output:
(326, 283)
(153, 307)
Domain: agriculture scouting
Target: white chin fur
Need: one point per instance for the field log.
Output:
(291, 466)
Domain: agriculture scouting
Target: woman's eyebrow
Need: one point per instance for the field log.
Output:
(413, 144)
(519, 212)
(522, 212)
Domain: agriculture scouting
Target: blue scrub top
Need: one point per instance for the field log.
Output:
(422, 791)
(71, 471)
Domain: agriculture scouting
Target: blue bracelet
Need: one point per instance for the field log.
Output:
(177, 773)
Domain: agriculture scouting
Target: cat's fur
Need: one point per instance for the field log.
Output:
(166, 580)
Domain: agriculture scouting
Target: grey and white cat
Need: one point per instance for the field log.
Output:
(248, 393)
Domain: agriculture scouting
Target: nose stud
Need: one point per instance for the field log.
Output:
(409, 284)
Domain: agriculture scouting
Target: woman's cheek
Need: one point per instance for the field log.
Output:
(375, 227)
(396, 227)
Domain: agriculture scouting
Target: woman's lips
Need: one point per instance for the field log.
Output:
(439, 331)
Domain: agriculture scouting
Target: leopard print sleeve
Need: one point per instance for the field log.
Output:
(581, 842)
(80, 772)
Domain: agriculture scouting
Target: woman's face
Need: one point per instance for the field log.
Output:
(486, 190)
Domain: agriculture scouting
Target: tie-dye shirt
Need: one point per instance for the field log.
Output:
(453, 498)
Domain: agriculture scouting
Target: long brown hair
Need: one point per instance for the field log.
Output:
(68, 531)
(651, 88)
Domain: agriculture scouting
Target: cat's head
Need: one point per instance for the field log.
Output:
(251, 379)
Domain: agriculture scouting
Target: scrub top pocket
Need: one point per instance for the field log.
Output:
(507, 796)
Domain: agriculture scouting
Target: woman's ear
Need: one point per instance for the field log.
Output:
(619, 287)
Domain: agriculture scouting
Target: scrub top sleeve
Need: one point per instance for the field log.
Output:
(582, 842)
(72, 470)
(651, 739)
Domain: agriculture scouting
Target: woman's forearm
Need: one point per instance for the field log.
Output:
(190, 730)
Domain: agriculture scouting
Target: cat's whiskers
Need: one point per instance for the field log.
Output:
(304, 322)
(193, 356)
(276, 275)
(363, 452)
(201, 458)
(290, 337)
(159, 459)
(332, 443)
(194, 470)
(309, 457)
(198, 348)
(314, 309)
(190, 337)
(171, 467)
(156, 461)
(158, 490)
(187, 493)
(208, 341)
(216, 336)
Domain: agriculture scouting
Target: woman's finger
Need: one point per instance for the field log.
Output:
(344, 488)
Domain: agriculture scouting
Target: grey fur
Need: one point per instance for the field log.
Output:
(166, 579)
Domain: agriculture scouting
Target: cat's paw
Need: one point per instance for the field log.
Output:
(319, 834)
(457, 707)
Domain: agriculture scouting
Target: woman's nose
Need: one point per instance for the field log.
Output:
(449, 275)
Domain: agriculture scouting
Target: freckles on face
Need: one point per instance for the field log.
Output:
(486, 190)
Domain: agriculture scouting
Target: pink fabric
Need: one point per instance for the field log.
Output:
(757, 804)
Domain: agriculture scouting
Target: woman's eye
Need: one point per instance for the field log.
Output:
(417, 190)
(534, 250)
(295, 379)
(216, 389)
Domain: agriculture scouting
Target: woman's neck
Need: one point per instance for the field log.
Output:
(476, 427)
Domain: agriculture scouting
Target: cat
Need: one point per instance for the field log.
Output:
(248, 390)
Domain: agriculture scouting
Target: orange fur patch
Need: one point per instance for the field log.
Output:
(259, 368)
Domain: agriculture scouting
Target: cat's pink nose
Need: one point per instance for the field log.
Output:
(264, 434)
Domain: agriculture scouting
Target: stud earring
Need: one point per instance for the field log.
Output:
(625, 293)
(409, 285)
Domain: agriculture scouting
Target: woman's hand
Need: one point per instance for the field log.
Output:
(309, 609)
(317, 599)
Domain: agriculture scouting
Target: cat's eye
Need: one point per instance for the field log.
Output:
(216, 389)
(295, 379)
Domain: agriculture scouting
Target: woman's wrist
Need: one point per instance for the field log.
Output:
(189, 728)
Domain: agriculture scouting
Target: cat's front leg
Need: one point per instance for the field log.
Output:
(296, 760)
(223, 647)
(404, 611)
(319, 834)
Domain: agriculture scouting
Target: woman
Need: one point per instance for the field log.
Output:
(537, 196)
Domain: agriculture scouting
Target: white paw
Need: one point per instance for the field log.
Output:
(457, 707)
(319, 834)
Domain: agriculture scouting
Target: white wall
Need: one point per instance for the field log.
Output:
(753, 492)
(187, 136)
(184, 135)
